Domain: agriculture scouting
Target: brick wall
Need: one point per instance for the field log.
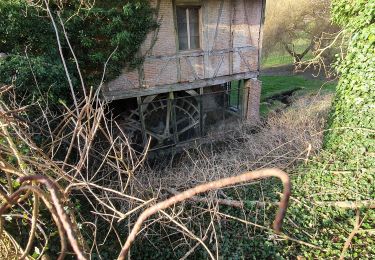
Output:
(225, 24)
(254, 88)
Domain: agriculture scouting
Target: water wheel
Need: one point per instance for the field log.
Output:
(167, 118)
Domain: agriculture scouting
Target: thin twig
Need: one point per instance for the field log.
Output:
(62, 56)
(248, 176)
(348, 241)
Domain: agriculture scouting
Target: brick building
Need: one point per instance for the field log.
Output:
(201, 66)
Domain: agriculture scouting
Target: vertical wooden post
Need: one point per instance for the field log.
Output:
(175, 31)
(172, 105)
(239, 89)
(232, 17)
(260, 38)
(205, 40)
(225, 95)
(141, 118)
(201, 121)
(244, 101)
(178, 69)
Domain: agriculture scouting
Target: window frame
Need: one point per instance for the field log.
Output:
(237, 93)
(187, 7)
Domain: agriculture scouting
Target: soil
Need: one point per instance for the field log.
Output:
(283, 97)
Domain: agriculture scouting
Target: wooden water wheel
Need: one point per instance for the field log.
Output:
(167, 118)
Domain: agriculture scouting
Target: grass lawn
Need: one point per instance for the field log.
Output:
(281, 57)
(276, 60)
(275, 85)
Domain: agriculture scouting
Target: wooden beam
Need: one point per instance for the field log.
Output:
(245, 9)
(260, 38)
(232, 16)
(205, 46)
(172, 103)
(201, 83)
(220, 12)
(201, 121)
(198, 53)
(141, 118)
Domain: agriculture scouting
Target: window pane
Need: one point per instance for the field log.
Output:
(194, 42)
(194, 28)
(234, 91)
(182, 31)
(183, 43)
(194, 15)
(181, 14)
(182, 28)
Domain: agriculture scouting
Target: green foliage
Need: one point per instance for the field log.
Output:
(27, 36)
(344, 171)
(49, 74)
(353, 114)
(277, 85)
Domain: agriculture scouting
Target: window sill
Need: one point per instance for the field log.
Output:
(191, 51)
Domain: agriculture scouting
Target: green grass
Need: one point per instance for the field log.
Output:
(276, 60)
(281, 57)
(275, 85)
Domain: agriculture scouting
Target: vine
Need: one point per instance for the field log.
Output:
(353, 109)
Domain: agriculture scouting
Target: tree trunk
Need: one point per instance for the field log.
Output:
(297, 57)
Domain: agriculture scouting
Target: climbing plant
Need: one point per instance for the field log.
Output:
(353, 114)
(96, 30)
(344, 171)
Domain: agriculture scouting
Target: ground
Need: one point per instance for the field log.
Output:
(280, 84)
(286, 138)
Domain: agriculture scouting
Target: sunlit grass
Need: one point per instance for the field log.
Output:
(282, 58)
(276, 85)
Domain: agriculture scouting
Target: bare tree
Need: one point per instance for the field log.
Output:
(289, 21)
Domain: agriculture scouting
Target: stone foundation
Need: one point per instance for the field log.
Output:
(254, 88)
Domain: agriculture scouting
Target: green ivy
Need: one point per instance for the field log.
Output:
(353, 116)
(28, 38)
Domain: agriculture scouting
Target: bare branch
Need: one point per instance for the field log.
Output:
(260, 174)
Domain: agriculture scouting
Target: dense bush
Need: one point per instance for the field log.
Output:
(314, 228)
(353, 109)
(28, 38)
(344, 171)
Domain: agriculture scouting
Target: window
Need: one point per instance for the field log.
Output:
(235, 92)
(188, 27)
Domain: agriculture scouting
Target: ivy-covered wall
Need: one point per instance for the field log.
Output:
(352, 121)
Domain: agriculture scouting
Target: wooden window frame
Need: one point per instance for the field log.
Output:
(188, 6)
(239, 94)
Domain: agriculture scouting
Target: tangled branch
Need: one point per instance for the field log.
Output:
(260, 174)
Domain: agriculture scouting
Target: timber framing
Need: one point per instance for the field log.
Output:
(181, 95)
(198, 53)
(230, 44)
(200, 83)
